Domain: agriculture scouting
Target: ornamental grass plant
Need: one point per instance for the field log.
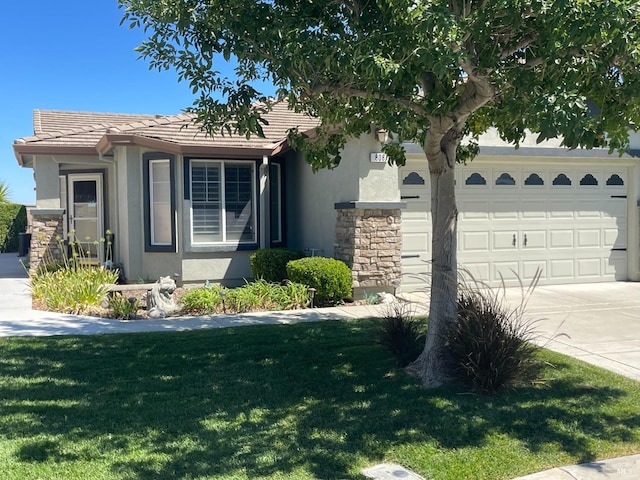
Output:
(123, 308)
(71, 284)
(257, 295)
(402, 333)
(492, 343)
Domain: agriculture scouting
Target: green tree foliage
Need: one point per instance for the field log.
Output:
(5, 192)
(431, 71)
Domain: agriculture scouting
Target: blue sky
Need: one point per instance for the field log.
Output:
(72, 55)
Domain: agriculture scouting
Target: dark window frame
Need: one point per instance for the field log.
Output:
(187, 195)
(146, 161)
(279, 166)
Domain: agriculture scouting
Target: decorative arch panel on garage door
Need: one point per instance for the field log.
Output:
(571, 222)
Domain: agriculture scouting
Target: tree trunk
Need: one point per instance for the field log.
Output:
(431, 365)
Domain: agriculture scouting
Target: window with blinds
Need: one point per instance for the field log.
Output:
(223, 202)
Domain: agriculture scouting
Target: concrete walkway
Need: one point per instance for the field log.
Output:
(597, 323)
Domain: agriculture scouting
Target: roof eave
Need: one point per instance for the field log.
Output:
(109, 141)
(21, 150)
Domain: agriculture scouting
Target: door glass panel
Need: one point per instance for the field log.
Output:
(505, 179)
(86, 217)
(475, 179)
(85, 191)
(84, 210)
(85, 198)
(86, 236)
(589, 179)
(534, 179)
(615, 180)
(562, 179)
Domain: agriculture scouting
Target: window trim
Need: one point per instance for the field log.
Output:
(224, 244)
(147, 159)
(276, 240)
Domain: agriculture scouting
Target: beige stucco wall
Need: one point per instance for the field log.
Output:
(46, 171)
(227, 268)
(311, 198)
(128, 203)
(49, 168)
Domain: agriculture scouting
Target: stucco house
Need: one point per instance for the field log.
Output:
(183, 204)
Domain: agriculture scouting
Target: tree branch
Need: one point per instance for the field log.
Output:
(355, 92)
(524, 43)
(478, 92)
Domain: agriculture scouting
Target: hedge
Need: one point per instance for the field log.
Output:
(330, 277)
(271, 264)
(13, 220)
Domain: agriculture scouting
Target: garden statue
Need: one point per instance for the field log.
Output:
(160, 301)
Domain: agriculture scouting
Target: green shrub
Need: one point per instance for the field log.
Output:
(401, 333)
(491, 344)
(13, 220)
(122, 307)
(271, 264)
(331, 278)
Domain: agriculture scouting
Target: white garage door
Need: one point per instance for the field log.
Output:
(571, 222)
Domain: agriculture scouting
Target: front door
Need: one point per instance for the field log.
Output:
(86, 214)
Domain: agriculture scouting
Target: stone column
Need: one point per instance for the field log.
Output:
(47, 237)
(369, 240)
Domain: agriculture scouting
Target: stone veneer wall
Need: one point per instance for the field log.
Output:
(46, 233)
(369, 240)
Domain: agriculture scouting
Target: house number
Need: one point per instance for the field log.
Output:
(379, 158)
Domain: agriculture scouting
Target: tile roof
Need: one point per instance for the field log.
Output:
(55, 128)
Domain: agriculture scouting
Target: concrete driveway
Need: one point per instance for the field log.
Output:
(598, 323)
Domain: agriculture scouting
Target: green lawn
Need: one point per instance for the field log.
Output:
(315, 400)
